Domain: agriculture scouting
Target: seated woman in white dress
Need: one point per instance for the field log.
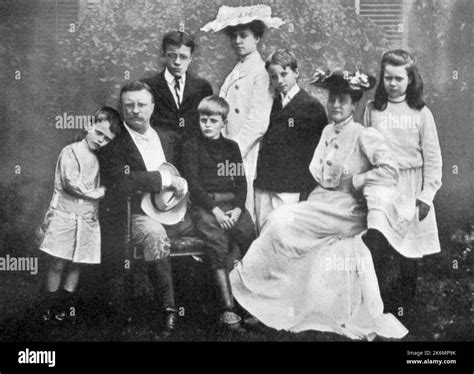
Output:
(310, 268)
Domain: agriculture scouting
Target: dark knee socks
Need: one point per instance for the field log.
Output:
(408, 278)
(380, 249)
(405, 288)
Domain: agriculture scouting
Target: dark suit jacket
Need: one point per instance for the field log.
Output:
(123, 172)
(288, 146)
(174, 125)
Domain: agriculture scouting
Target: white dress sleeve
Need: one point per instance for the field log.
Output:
(432, 161)
(71, 180)
(367, 114)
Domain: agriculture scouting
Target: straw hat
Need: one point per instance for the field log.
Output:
(233, 16)
(165, 207)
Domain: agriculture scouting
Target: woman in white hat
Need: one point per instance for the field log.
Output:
(247, 87)
(311, 267)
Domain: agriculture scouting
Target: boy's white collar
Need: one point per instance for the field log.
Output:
(170, 78)
(291, 93)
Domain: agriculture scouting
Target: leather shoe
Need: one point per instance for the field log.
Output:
(171, 323)
(230, 321)
(171, 320)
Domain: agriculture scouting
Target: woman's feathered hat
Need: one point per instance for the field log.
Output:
(342, 80)
(233, 16)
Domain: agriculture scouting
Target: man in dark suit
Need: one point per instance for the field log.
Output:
(130, 166)
(296, 123)
(177, 93)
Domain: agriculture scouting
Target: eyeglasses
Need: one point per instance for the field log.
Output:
(140, 106)
(174, 56)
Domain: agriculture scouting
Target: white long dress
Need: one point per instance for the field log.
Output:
(247, 90)
(309, 269)
(412, 137)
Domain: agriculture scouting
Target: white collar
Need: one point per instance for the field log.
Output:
(292, 93)
(255, 55)
(338, 127)
(398, 99)
(170, 79)
(148, 135)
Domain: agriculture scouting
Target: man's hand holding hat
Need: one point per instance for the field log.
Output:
(180, 186)
(169, 205)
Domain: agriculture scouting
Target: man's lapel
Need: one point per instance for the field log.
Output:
(189, 89)
(292, 107)
(132, 154)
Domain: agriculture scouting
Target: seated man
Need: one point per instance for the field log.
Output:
(129, 166)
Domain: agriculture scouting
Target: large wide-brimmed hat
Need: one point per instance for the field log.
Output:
(342, 80)
(164, 206)
(241, 15)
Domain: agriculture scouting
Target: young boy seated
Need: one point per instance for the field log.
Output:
(214, 170)
(286, 150)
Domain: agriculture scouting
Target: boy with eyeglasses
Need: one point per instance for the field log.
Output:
(177, 94)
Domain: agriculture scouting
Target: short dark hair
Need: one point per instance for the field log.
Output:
(135, 86)
(282, 57)
(178, 39)
(107, 113)
(257, 27)
(399, 57)
(214, 105)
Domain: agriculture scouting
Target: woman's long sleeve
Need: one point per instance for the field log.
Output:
(385, 171)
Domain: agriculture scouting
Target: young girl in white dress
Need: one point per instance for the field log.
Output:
(70, 233)
(399, 113)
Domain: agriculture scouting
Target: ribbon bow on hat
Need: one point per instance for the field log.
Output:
(233, 16)
(358, 80)
(354, 81)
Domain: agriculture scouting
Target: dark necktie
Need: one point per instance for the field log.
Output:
(177, 89)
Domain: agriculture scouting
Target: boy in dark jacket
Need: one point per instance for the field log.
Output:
(286, 150)
(214, 170)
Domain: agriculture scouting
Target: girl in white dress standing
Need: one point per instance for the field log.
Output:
(70, 231)
(400, 114)
(247, 87)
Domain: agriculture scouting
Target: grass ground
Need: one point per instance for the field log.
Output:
(442, 310)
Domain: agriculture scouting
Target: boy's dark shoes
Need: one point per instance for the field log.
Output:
(231, 322)
(46, 315)
(60, 316)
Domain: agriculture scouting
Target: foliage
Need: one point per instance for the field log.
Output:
(115, 39)
(440, 35)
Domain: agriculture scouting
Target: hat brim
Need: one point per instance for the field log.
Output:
(169, 217)
(333, 82)
(337, 83)
(215, 26)
(233, 16)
